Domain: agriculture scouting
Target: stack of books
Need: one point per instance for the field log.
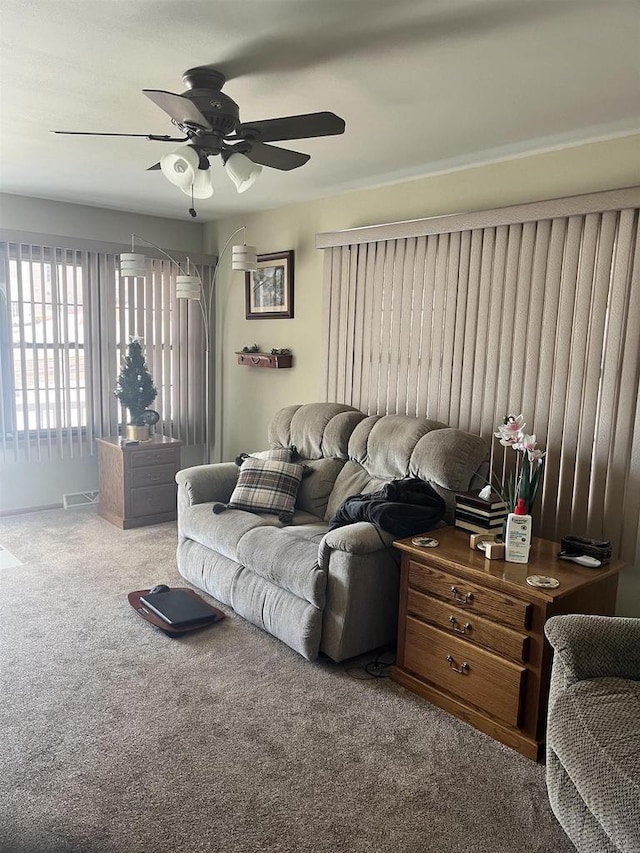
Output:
(478, 515)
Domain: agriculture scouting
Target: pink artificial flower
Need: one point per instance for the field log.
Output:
(525, 442)
(535, 454)
(510, 431)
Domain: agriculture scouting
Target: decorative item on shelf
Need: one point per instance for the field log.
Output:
(524, 480)
(277, 358)
(189, 285)
(136, 391)
(269, 288)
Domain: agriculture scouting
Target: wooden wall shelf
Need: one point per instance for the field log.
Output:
(264, 359)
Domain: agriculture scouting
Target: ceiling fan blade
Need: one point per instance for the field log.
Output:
(153, 136)
(274, 157)
(181, 109)
(292, 127)
(152, 168)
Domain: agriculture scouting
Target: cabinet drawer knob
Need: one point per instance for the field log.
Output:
(467, 598)
(459, 669)
(463, 630)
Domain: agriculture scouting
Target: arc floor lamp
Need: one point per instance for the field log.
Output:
(189, 285)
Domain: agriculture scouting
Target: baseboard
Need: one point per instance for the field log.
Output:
(23, 510)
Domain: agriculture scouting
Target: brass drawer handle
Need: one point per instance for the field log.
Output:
(465, 628)
(460, 598)
(461, 669)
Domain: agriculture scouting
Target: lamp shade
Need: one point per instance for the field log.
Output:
(132, 265)
(187, 287)
(242, 171)
(244, 258)
(181, 166)
(202, 186)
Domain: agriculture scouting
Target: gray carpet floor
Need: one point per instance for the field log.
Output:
(117, 738)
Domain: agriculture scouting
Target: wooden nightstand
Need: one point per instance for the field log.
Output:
(137, 481)
(470, 631)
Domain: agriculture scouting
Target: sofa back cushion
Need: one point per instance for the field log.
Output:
(317, 429)
(390, 447)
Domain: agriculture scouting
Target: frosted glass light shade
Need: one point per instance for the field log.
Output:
(244, 258)
(242, 171)
(202, 186)
(181, 166)
(132, 265)
(187, 287)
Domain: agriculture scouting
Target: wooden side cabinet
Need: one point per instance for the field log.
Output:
(471, 631)
(136, 482)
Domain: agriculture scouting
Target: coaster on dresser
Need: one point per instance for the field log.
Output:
(425, 542)
(543, 582)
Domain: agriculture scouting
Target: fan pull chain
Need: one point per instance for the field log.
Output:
(192, 209)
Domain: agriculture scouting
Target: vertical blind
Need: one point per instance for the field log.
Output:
(66, 317)
(532, 309)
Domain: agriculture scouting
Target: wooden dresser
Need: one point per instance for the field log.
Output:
(136, 482)
(470, 632)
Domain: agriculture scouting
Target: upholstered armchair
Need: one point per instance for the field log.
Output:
(593, 731)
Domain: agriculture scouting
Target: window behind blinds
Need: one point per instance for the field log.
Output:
(532, 309)
(65, 320)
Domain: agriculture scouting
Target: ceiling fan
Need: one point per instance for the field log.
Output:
(210, 122)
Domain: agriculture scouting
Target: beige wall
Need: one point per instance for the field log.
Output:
(251, 396)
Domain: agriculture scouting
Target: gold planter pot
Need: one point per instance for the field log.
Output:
(136, 433)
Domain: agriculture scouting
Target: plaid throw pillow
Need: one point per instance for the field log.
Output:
(280, 454)
(267, 485)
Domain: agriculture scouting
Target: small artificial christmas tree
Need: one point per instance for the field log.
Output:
(135, 388)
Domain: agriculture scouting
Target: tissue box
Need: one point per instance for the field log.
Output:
(477, 515)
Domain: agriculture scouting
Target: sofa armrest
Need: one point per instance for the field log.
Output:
(595, 646)
(361, 537)
(208, 483)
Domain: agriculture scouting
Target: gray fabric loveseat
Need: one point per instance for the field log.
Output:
(317, 590)
(593, 731)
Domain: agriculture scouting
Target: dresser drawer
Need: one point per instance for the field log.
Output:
(459, 622)
(150, 476)
(142, 458)
(479, 677)
(151, 500)
(470, 597)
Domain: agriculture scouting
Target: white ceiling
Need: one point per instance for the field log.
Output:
(423, 85)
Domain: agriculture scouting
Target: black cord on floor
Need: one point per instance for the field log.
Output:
(377, 668)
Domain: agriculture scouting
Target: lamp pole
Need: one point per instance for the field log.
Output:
(190, 286)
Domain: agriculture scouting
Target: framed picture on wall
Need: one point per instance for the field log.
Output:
(269, 290)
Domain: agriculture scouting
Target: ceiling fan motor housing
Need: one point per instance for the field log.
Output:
(204, 86)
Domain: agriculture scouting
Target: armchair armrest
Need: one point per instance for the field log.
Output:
(595, 646)
(208, 483)
(361, 537)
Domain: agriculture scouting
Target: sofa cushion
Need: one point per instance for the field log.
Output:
(221, 533)
(317, 485)
(267, 485)
(316, 429)
(288, 562)
(595, 729)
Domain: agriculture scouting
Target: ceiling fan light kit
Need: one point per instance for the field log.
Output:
(181, 166)
(202, 187)
(242, 171)
(210, 122)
